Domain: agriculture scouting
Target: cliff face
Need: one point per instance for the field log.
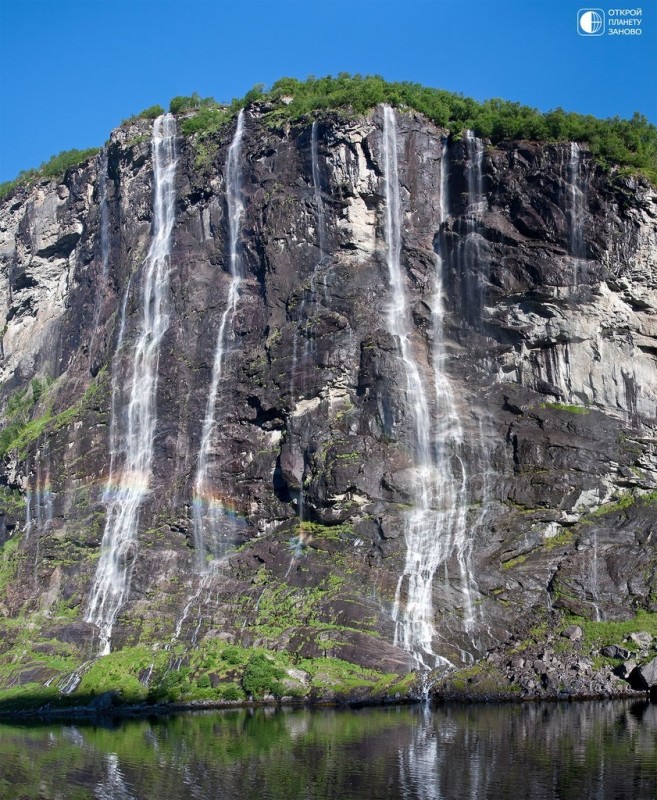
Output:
(397, 473)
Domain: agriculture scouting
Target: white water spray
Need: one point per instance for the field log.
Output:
(577, 203)
(131, 460)
(436, 526)
(209, 516)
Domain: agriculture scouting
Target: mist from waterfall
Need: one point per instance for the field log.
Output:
(212, 533)
(134, 426)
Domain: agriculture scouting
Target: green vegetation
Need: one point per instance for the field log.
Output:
(599, 634)
(21, 428)
(625, 502)
(55, 167)
(212, 671)
(152, 112)
(12, 502)
(9, 559)
(632, 144)
(261, 676)
(629, 143)
(479, 680)
(565, 537)
(563, 407)
(18, 414)
(515, 562)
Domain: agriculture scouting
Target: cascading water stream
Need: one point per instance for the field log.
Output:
(208, 513)
(576, 204)
(317, 186)
(132, 449)
(104, 244)
(311, 294)
(436, 526)
(104, 214)
(452, 480)
(595, 591)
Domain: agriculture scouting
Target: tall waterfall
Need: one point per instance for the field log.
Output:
(317, 186)
(104, 213)
(436, 526)
(104, 245)
(309, 294)
(208, 512)
(576, 204)
(132, 460)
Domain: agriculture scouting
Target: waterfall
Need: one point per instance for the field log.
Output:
(104, 213)
(452, 479)
(468, 247)
(28, 509)
(311, 293)
(436, 526)
(104, 246)
(595, 592)
(116, 447)
(317, 186)
(133, 448)
(208, 511)
(576, 203)
(43, 500)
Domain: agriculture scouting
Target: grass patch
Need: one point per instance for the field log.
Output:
(617, 505)
(599, 634)
(514, 562)
(566, 537)
(568, 408)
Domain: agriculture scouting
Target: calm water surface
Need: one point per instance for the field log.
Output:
(588, 750)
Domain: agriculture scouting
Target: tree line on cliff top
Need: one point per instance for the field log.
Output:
(628, 143)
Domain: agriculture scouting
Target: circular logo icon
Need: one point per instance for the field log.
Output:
(590, 22)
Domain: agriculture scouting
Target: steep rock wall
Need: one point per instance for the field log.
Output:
(549, 269)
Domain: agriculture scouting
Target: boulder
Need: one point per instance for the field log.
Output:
(642, 638)
(572, 632)
(625, 669)
(645, 676)
(614, 651)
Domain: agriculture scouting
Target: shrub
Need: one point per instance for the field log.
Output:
(152, 112)
(55, 167)
(180, 104)
(229, 692)
(261, 677)
(231, 655)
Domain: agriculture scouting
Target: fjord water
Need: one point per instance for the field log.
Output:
(131, 453)
(600, 750)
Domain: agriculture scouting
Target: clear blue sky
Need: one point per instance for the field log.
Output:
(71, 71)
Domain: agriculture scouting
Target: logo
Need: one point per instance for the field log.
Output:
(590, 22)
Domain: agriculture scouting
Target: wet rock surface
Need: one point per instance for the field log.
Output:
(550, 350)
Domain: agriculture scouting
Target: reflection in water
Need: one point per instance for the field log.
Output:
(590, 750)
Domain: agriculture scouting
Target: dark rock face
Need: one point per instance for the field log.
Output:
(551, 353)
